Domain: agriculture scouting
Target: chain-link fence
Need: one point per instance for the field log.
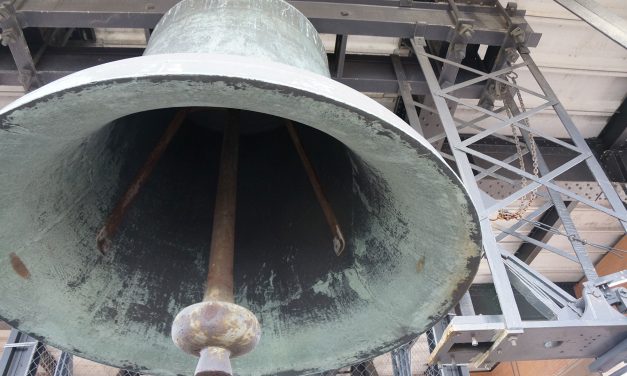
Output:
(23, 355)
(408, 360)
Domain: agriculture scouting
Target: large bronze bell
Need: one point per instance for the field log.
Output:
(84, 270)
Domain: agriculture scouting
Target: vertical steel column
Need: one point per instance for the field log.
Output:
(465, 305)
(401, 359)
(511, 315)
(593, 164)
(340, 54)
(13, 37)
(405, 88)
(448, 75)
(65, 365)
(556, 198)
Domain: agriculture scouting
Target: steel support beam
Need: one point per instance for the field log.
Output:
(528, 251)
(379, 18)
(595, 15)
(502, 285)
(614, 134)
(372, 74)
(401, 360)
(593, 164)
(406, 94)
(13, 37)
(65, 365)
(448, 76)
(339, 56)
(558, 202)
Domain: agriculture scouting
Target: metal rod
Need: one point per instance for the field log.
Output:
(103, 239)
(405, 88)
(340, 54)
(454, 9)
(338, 238)
(220, 276)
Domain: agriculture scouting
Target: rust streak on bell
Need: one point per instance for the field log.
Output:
(18, 266)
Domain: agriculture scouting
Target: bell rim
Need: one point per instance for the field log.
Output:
(276, 76)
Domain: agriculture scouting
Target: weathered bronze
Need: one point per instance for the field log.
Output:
(71, 149)
(108, 230)
(216, 329)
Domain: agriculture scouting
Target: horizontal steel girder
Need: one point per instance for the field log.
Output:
(377, 18)
(562, 339)
(370, 74)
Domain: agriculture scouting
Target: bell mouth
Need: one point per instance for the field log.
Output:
(413, 243)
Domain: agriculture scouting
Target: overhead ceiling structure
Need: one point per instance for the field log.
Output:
(417, 58)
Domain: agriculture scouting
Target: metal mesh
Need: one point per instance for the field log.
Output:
(43, 363)
(37, 359)
(366, 368)
(407, 360)
(23, 355)
(49, 361)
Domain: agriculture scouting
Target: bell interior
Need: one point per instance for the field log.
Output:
(317, 310)
(282, 237)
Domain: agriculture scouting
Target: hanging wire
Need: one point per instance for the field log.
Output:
(556, 231)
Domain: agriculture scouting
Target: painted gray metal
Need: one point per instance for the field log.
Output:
(502, 284)
(414, 241)
(433, 21)
(585, 327)
(13, 37)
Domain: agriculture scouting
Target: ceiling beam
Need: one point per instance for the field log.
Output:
(374, 17)
(600, 18)
(371, 74)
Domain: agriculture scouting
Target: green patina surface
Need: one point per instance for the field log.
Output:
(60, 179)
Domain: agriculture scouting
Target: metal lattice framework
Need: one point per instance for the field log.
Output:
(433, 76)
(560, 308)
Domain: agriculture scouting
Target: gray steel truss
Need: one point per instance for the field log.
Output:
(433, 82)
(586, 327)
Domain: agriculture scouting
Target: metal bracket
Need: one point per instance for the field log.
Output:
(609, 360)
(13, 37)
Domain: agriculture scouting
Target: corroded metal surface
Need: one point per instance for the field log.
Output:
(71, 148)
(217, 329)
(222, 324)
(220, 277)
(267, 30)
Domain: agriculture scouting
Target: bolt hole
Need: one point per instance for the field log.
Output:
(553, 344)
